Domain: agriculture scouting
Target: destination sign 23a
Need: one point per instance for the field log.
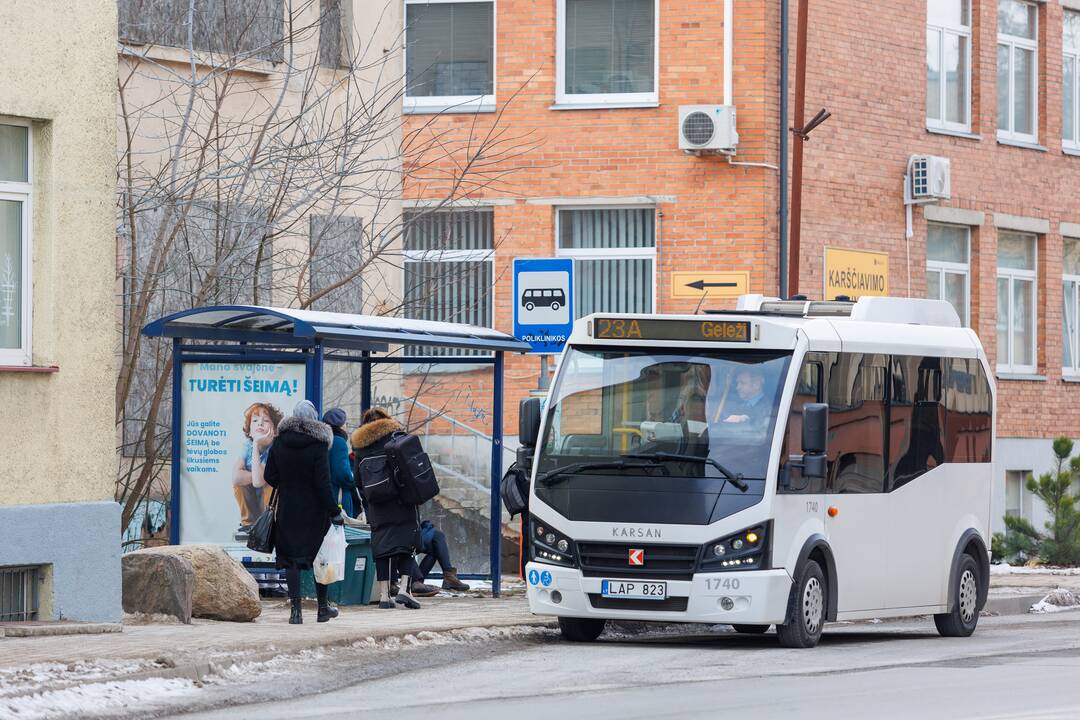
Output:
(691, 330)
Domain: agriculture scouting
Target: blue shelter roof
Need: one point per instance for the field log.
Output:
(304, 328)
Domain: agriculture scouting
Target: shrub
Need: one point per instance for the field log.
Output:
(1060, 543)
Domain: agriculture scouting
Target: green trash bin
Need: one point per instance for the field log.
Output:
(355, 589)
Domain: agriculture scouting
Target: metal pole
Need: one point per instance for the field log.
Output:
(177, 439)
(365, 382)
(545, 377)
(317, 378)
(496, 475)
(797, 154)
(785, 12)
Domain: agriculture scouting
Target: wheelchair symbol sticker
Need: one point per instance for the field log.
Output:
(545, 578)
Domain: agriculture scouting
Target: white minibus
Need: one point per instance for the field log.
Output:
(787, 464)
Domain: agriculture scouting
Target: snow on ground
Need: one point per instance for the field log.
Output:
(1006, 569)
(30, 678)
(97, 699)
(1057, 601)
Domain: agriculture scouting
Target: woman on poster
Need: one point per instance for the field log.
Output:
(260, 428)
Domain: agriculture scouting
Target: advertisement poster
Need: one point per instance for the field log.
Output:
(229, 418)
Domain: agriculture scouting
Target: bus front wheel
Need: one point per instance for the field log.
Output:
(806, 609)
(961, 621)
(581, 629)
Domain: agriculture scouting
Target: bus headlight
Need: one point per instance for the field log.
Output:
(549, 545)
(744, 550)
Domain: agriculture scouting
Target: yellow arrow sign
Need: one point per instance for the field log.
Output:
(709, 284)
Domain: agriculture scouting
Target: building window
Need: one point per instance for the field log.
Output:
(1070, 85)
(16, 181)
(1014, 492)
(449, 256)
(335, 29)
(948, 64)
(1017, 73)
(607, 51)
(1016, 298)
(614, 252)
(235, 29)
(1070, 320)
(948, 274)
(449, 55)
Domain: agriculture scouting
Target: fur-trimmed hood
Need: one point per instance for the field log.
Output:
(372, 432)
(312, 428)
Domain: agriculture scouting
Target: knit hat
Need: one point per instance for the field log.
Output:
(335, 417)
(304, 409)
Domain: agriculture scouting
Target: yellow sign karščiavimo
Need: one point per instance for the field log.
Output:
(855, 273)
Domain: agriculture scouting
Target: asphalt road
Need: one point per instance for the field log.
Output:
(1020, 667)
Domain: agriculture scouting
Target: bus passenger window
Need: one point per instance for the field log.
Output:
(968, 412)
(857, 385)
(916, 418)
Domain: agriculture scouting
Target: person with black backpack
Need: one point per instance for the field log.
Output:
(391, 501)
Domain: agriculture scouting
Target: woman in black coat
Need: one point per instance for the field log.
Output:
(395, 526)
(298, 468)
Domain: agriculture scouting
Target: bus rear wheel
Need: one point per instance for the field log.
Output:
(806, 609)
(963, 618)
(581, 629)
(751, 629)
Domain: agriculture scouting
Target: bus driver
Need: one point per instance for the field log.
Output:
(751, 407)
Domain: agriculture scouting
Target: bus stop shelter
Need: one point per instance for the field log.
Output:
(253, 334)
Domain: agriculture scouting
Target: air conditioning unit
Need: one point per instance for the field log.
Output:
(707, 128)
(930, 178)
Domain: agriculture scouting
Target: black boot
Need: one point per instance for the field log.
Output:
(325, 611)
(296, 617)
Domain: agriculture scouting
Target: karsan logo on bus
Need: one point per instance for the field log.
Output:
(636, 532)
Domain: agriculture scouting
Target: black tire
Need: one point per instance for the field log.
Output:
(530, 307)
(555, 306)
(581, 629)
(963, 618)
(751, 629)
(806, 608)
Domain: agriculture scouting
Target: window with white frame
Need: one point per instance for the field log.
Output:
(1014, 492)
(1017, 70)
(449, 55)
(614, 252)
(1070, 319)
(16, 193)
(1016, 298)
(608, 52)
(449, 258)
(948, 270)
(1070, 85)
(948, 64)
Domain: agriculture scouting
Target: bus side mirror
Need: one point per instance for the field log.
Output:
(529, 422)
(815, 440)
(815, 428)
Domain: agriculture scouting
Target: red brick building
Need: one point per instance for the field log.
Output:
(597, 85)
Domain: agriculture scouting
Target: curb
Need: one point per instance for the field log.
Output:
(197, 670)
(56, 629)
(1011, 604)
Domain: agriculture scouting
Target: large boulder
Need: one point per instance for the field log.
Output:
(224, 590)
(157, 583)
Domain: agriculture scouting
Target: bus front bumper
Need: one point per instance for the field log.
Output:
(752, 597)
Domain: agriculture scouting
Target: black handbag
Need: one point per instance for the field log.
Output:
(261, 534)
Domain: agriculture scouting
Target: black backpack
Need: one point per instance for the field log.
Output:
(377, 479)
(416, 482)
(514, 489)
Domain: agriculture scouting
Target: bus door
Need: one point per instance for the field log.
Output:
(799, 507)
(857, 518)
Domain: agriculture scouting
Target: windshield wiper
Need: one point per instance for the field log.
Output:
(559, 474)
(735, 479)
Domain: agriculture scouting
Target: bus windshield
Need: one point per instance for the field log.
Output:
(720, 405)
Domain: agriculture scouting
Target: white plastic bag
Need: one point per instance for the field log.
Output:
(329, 564)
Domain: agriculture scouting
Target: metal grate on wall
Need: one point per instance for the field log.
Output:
(19, 593)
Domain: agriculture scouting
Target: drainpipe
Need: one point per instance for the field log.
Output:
(785, 12)
(729, 39)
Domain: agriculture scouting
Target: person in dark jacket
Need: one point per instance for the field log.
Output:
(395, 526)
(341, 473)
(298, 468)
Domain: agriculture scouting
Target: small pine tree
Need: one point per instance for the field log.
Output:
(1060, 544)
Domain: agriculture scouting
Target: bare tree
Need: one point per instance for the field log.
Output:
(261, 159)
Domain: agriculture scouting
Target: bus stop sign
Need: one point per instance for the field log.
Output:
(543, 302)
